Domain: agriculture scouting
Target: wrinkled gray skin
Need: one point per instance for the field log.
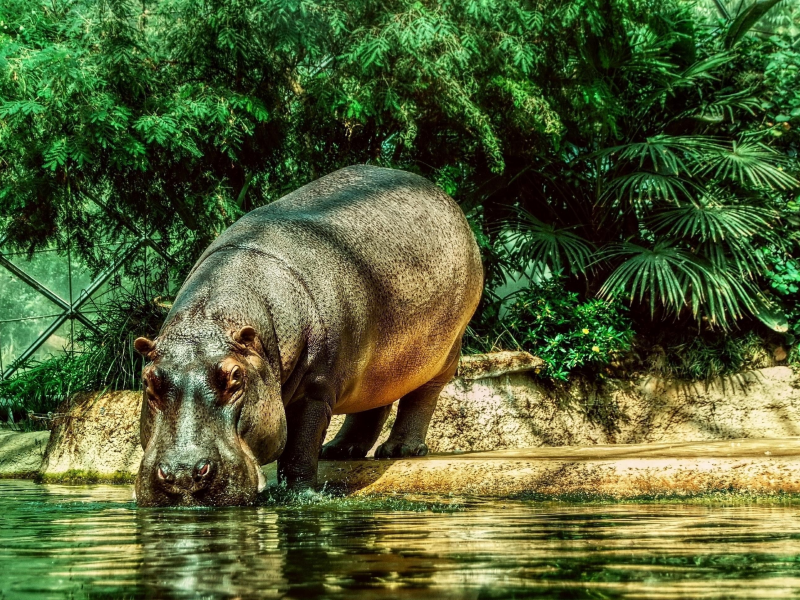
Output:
(342, 297)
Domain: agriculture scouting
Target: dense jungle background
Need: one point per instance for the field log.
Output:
(628, 166)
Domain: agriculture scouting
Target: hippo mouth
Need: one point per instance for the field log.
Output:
(235, 482)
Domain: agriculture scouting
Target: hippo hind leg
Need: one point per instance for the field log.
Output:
(358, 434)
(414, 413)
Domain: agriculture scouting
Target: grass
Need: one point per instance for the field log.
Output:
(109, 361)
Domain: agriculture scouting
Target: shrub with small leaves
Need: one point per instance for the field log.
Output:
(784, 279)
(568, 333)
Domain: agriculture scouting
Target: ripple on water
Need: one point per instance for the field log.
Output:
(92, 542)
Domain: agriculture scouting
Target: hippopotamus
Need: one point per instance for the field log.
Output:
(342, 297)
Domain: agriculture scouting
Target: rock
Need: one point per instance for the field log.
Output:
(98, 436)
(95, 437)
(481, 366)
(779, 354)
(516, 411)
(21, 453)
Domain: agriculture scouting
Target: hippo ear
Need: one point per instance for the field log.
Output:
(144, 346)
(248, 337)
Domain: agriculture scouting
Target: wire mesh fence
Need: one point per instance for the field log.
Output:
(47, 297)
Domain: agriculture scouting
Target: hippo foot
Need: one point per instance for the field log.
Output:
(390, 449)
(342, 452)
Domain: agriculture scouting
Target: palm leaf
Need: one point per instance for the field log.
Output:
(716, 110)
(738, 255)
(663, 272)
(746, 20)
(664, 153)
(715, 222)
(750, 162)
(678, 279)
(723, 296)
(529, 240)
(643, 187)
(701, 70)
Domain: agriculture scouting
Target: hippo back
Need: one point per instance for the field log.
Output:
(390, 265)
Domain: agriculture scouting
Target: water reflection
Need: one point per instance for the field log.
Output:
(186, 553)
(92, 542)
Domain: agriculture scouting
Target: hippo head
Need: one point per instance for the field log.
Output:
(212, 414)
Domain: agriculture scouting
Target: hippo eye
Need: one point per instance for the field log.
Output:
(152, 398)
(235, 379)
(230, 378)
(152, 383)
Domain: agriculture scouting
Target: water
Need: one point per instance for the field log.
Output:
(92, 542)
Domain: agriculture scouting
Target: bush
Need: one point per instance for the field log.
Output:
(571, 335)
(707, 356)
(784, 279)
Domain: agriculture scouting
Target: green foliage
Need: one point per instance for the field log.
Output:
(548, 249)
(784, 278)
(706, 357)
(570, 335)
(678, 191)
(32, 397)
(593, 116)
(644, 153)
(782, 76)
(179, 114)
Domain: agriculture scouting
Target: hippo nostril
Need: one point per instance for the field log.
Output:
(202, 470)
(165, 474)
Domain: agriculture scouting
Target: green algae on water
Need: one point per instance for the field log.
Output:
(82, 477)
(279, 497)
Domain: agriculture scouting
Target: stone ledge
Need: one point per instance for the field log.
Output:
(618, 472)
(749, 466)
(482, 366)
(21, 454)
(501, 416)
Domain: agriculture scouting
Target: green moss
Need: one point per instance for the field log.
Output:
(19, 475)
(325, 501)
(717, 497)
(82, 477)
(122, 478)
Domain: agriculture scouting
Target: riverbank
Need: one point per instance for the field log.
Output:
(499, 432)
(623, 471)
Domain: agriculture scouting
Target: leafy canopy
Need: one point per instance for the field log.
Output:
(619, 141)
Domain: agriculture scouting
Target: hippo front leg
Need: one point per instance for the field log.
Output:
(307, 421)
